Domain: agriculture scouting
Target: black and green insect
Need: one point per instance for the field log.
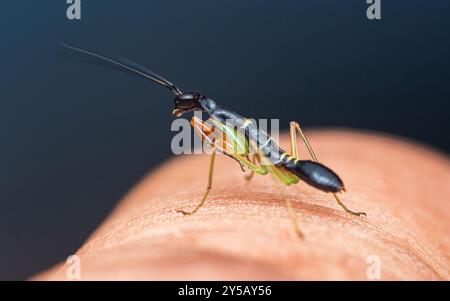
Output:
(238, 137)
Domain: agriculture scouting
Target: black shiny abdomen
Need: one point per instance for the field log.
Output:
(313, 173)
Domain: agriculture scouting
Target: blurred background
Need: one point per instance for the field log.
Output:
(77, 134)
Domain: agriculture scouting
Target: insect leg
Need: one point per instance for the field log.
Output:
(212, 136)
(208, 187)
(254, 160)
(290, 208)
(241, 165)
(294, 128)
(254, 166)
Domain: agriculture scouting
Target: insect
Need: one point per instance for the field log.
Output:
(249, 146)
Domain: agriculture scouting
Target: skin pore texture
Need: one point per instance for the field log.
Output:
(243, 232)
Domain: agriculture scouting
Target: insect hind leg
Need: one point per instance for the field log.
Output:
(294, 129)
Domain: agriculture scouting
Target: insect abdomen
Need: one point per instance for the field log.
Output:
(314, 173)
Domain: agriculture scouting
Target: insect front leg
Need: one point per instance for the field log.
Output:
(294, 129)
(208, 187)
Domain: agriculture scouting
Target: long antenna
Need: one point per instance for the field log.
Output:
(131, 66)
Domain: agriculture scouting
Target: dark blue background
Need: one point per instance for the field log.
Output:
(76, 134)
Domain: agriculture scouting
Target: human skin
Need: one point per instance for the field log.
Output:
(243, 232)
